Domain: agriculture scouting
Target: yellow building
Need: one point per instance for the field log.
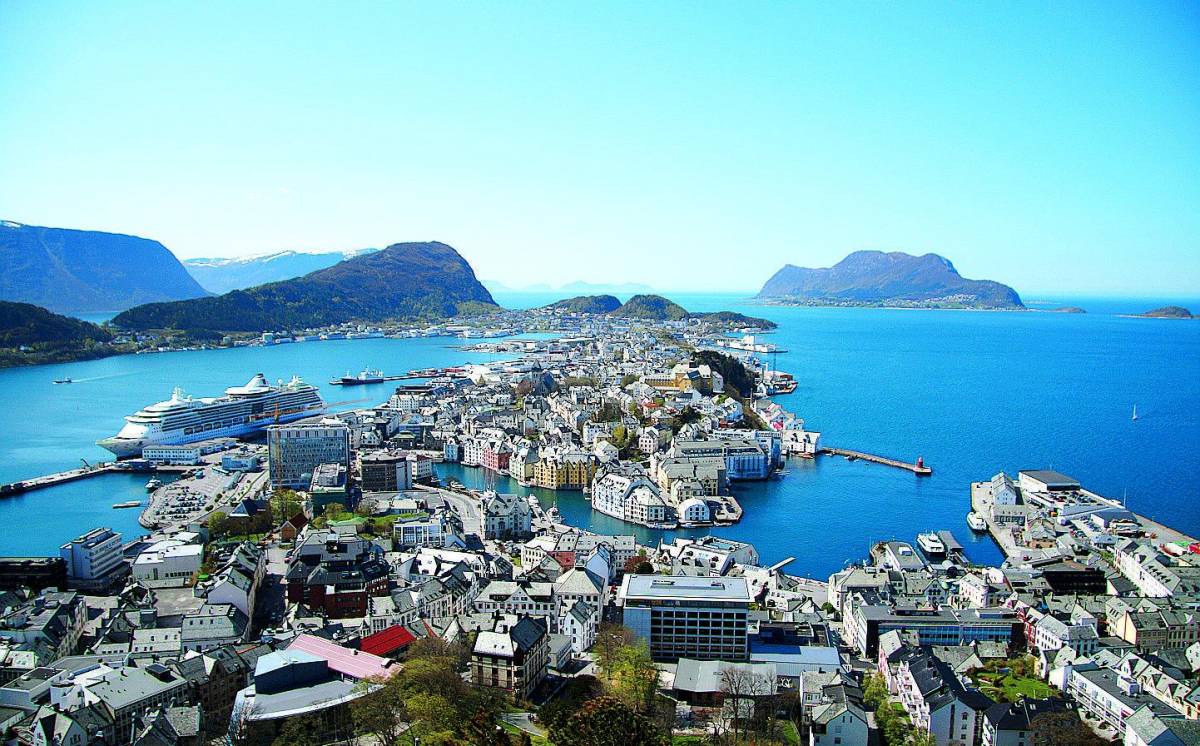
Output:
(564, 470)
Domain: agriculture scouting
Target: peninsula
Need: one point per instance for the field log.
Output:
(404, 281)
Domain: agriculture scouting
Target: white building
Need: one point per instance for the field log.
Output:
(625, 492)
(505, 516)
(169, 563)
(94, 560)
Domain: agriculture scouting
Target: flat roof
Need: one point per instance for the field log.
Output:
(682, 587)
(1050, 477)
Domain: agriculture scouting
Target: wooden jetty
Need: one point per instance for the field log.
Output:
(919, 468)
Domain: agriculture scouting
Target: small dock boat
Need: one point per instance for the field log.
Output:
(931, 544)
(153, 484)
(128, 504)
(976, 522)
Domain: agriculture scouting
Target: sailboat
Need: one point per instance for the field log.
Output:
(1134, 412)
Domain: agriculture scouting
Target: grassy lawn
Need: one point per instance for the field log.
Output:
(1011, 688)
(791, 735)
(514, 730)
(1009, 681)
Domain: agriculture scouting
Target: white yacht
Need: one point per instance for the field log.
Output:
(931, 543)
(243, 410)
(976, 522)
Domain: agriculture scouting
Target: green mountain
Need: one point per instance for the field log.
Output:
(404, 281)
(658, 308)
(222, 274)
(882, 279)
(586, 304)
(72, 271)
(651, 308)
(46, 336)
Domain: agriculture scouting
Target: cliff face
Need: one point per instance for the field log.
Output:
(404, 281)
(72, 271)
(878, 278)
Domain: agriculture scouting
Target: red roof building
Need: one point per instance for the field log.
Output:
(389, 642)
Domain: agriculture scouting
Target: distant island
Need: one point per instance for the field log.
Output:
(30, 335)
(405, 281)
(653, 308)
(220, 275)
(876, 278)
(587, 304)
(1068, 309)
(1167, 312)
(578, 287)
(75, 271)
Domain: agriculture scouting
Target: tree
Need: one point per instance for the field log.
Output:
(299, 731)
(741, 686)
(875, 691)
(1062, 728)
(218, 524)
(610, 638)
(577, 692)
(921, 737)
(382, 713)
(435, 713)
(607, 721)
(638, 565)
(635, 677)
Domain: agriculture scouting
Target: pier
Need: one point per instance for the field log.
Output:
(409, 376)
(62, 477)
(919, 468)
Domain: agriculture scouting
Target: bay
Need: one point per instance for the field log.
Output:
(971, 392)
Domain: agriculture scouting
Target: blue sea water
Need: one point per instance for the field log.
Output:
(971, 392)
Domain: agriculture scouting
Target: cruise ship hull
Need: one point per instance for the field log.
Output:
(124, 448)
(243, 411)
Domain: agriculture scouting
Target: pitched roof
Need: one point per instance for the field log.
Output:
(353, 663)
(388, 641)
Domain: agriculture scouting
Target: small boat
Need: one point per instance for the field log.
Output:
(976, 522)
(153, 484)
(128, 504)
(1134, 412)
(68, 380)
(931, 543)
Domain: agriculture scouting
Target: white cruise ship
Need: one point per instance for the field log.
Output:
(243, 410)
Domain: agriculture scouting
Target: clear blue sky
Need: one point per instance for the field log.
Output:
(1052, 146)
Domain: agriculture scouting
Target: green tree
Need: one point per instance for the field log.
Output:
(577, 692)
(382, 713)
(299, 731)
(921, 737)
(610, 639)
(218, 524)
(875, 691)
(435, 713)
(607, 721)
(635, 677)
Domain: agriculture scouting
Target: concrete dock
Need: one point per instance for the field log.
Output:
(919, 468)
(62, 477)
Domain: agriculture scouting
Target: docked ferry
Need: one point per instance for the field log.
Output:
(243, 410)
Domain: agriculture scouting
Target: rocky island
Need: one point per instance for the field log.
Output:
(895, 279)
(1167, 312)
